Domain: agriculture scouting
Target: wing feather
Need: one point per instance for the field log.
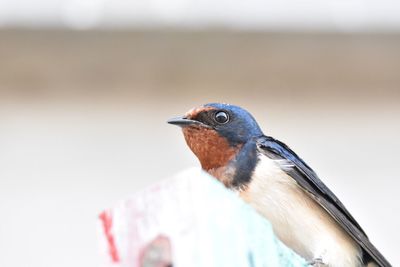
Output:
(308, 180)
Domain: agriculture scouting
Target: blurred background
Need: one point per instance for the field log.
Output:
(86, 88)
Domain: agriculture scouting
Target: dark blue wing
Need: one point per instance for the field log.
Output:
(309, 181)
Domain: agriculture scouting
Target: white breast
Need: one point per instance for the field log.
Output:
(297, 219)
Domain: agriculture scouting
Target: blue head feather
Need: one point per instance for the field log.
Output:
(241, 126)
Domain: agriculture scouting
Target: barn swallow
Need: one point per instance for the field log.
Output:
(266, 173)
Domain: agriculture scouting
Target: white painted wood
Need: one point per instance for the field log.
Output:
(190, 220)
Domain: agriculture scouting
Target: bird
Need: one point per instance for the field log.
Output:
(304, 213)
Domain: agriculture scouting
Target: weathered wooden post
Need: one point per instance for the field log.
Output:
(189, 221)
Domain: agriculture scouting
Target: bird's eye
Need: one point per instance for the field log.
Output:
(221, 117)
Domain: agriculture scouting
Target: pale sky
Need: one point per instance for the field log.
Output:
(345, 15)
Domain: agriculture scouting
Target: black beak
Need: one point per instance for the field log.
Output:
(182, 122)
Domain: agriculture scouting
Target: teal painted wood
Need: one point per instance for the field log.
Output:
(207, 226)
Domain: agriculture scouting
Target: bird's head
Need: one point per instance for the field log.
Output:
(217, 132)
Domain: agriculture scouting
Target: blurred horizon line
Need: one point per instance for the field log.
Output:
(201, 28)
